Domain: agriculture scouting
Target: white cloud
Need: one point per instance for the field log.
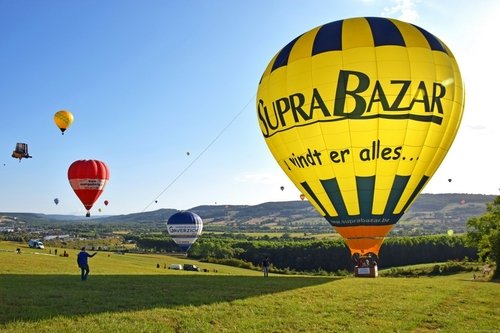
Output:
(404, 10)
(477, 127)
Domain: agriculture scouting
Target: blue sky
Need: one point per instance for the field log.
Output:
(150, 81)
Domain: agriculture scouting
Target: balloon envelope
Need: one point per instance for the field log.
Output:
(359, 113)
(106, 202)
(56, 201)
(184, 228)
(63, 120)
(88, 179)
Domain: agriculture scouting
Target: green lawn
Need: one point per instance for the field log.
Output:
(127, 293)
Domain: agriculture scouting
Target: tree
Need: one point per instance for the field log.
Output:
(483, 232)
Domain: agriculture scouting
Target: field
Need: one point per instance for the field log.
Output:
(127, 293)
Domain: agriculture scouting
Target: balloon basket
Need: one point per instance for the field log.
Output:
(371, 271)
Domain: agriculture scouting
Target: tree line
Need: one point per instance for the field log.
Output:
(309, 255)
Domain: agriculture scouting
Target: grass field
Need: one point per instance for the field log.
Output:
(127, 293)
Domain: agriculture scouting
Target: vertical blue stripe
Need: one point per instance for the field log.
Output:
(282, 58)
(328, 38)
(313, 196)
(397, 189)
(385, 32)
(419, 187)
(366, 189)
(332, 189)
(434, 43)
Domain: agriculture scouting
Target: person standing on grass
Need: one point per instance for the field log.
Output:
(265, 266)
(82, 260)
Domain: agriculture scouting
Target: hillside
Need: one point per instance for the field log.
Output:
(431, 213)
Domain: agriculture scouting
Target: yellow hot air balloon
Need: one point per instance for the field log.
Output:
(63, 120)
(359, 113)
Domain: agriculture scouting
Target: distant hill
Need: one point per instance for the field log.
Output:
(431, 213)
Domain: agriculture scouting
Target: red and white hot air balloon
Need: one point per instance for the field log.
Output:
(88, 179)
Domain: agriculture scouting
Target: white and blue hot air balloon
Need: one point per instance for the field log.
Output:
(184, 228)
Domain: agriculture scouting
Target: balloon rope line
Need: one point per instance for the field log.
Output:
(201, 153)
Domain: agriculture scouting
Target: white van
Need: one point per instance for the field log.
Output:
(35, 243)
(175, 266)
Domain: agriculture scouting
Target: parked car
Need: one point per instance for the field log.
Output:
(189, 267)
(175, 266)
